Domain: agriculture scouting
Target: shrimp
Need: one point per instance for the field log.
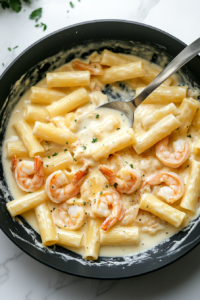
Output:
(29, 175)
(172, 159)
(108, 204)
(174, 189)
(58, 188)
(95, 68)
(70, 218)
(129, 182)
(130, 215)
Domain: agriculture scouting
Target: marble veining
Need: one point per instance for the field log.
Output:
(23, 278)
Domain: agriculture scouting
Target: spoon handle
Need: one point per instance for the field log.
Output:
(180, 60)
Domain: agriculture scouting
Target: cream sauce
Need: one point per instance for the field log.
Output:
(89, 125)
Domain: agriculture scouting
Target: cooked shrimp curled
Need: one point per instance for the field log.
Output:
(108, 204)
(94, 68)
(128, 181)
(29, 175)
(172, 159)
(58, 188)
(174, 188)
(70, 218)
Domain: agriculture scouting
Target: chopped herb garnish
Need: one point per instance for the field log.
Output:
(75, 120)
(54, 208)
(74, 159)
(106, 186)
(177, 128)
(66, 143)
(84, 148)
(71, 4)
(47, 166)
(3, 64)
(131, 165)
(9, 49)
(101, 193)
(56, 153)
(65, 226)
(97, 116)
(84, 203)
(15, 47)
(52, 187)
(73, 200)
(42, 25)
(49, 156)
(189, 135)
(36, 14)
(121, 114)
(118, 128)
(94, 140)
(59, 227)
(65, 150)
(186, 166)
(147, 206)
(115, 184)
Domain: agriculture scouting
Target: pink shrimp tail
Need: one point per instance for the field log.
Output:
(79, 176)
(38, 166)
(14, 163)
(108, 223)
(109, 174)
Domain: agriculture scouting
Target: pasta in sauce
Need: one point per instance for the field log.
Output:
(85, 180)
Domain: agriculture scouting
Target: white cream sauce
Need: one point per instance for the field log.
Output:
(89, 125)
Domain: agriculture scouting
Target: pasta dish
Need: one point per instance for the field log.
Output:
(87, 181)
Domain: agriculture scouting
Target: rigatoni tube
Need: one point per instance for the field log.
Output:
(114, 143)
(123, 72)
(27, 202)
(112, 59)
(192, 190)
(158, 114)
(30, 141)
(16, 148)
(68, 103)
(68, 79)
(165, 94)
(158, 132)
(45, 96)
(69, 238)
(33, 114)
(92, 239)
(46, 225)
(162, 210)
(53, 134)
(187, 110)
(120, 236)
(58, 162)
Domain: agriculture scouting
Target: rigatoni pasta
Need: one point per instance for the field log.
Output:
(45, 96)
(165, 94)
(31, 143)
(68, 79)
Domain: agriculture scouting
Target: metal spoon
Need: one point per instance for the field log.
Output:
(129, 107)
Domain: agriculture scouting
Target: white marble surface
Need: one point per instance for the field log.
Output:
(21, 277)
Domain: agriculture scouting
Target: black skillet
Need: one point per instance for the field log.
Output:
(63, 45)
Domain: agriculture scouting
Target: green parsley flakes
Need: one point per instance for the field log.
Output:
(115, 184)
(94, 140)
(97, 116)
(56, 153)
